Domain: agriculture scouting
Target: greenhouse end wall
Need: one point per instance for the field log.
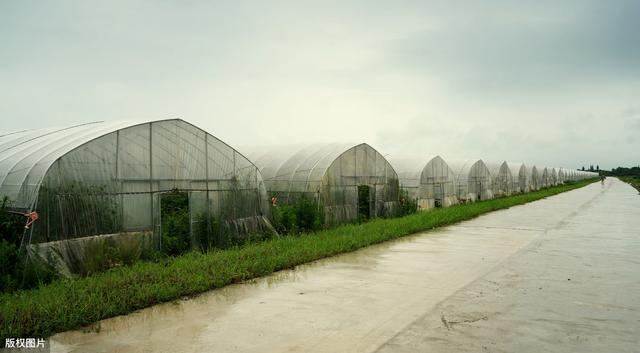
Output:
(359, 166)
(427, 180)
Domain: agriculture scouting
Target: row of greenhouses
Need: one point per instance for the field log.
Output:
(84, 186)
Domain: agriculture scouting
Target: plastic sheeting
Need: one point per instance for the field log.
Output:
(545, 177)
(473, 180)
(330, 174)
(521, 178)
(107, 178)
(428, 180)
(534, 175)
(501, 178)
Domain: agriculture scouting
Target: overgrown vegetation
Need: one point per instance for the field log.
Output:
(68, 304)
(632, 180)
(16, 272)
(408, 205)
(175, 223)
(304, 215)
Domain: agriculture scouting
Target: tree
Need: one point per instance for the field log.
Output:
(597, 167)
(582, 168)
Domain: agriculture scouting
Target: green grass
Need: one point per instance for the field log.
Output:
(68, 304)
(631, 180)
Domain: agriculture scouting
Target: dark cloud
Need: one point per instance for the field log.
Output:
(535, 46)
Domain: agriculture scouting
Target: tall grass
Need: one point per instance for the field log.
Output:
(68, 304)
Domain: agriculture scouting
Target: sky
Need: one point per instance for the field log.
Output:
(552, 83)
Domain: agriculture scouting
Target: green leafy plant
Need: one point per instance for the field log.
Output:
(302, 216)
(175, 224)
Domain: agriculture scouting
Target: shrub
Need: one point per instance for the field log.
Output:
(301, 216)
(175, 223)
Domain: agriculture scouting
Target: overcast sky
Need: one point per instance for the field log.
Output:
(542, 82)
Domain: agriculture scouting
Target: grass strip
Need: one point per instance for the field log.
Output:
(68, 304)
(631, 180)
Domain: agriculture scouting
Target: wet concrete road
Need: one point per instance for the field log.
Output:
(560, 274)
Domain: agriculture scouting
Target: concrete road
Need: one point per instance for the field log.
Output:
(557, 275)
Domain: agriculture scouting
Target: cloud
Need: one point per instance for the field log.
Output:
(552, 82)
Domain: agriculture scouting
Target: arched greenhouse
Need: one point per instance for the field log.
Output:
(520, 175)
(562, 175)
(472, 180)
(112, 181)
(554, 176)
(346, 181)
(501, 178)
(545, 177)
(535, 182)
(428, 180)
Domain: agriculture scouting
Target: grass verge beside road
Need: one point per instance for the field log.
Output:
(69, 304)
(631, 180)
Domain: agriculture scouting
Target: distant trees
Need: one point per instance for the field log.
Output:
(622, 171)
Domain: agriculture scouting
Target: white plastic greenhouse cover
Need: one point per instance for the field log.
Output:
(429, 180)
(26, 156)
(561, 175)
(501, 178)
(69, 175)
(472, 179)
(520, 175)
(330, 173)
(545, 176)
(534, 178)
(554, 176)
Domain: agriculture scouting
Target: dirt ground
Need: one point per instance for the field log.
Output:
(557, 275)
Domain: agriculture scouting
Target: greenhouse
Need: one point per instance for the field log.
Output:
(559, 176)
(554, 176)
(472, 180)
(427, 180)
(346, 181)
(569, 175)
(112, 183)
(545, 177)
(520, 177)
(534, 178)
(501, 178)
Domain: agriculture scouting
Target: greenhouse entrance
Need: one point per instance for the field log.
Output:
(480, 191)
(364, 203)
(438, 194)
